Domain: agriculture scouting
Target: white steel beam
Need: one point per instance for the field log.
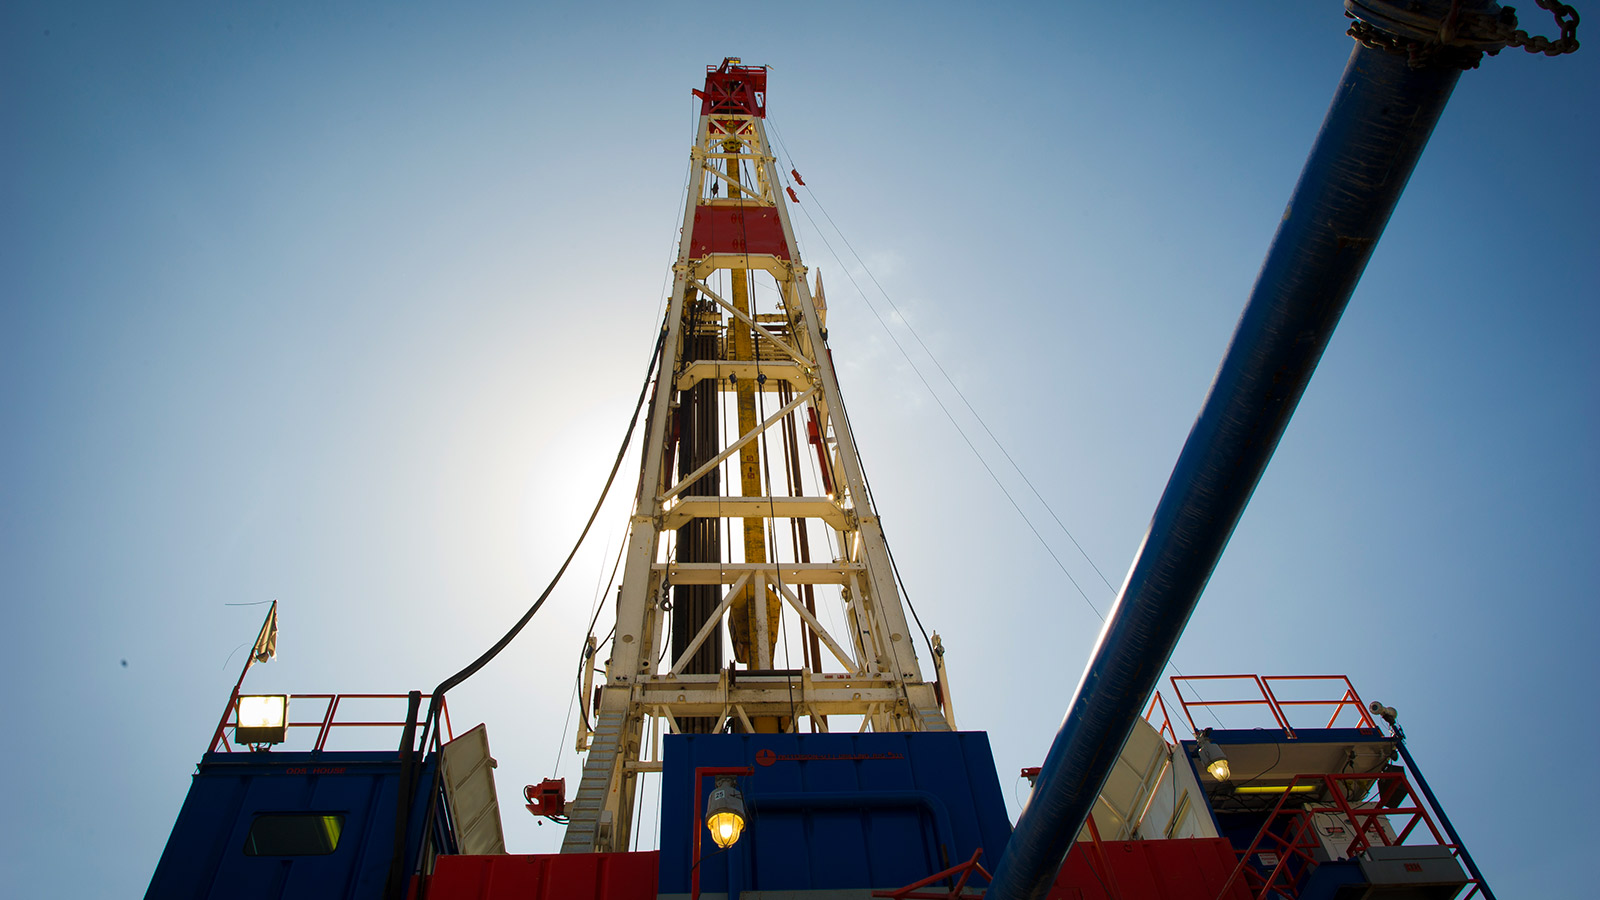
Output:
(732, 182)
(686, 509)
(811, 620)
(719, 369)
(744, 317)
(733, 448)
(711, 623)
(790, 573)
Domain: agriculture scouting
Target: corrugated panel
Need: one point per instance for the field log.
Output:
(205, 855)
(469, 790)
(890, 839)
(1137, 772)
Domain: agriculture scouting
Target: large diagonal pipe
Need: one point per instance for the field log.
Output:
(1374, 132)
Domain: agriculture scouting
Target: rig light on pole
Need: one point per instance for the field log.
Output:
(1212, 757)
(725, 816)
(263, 719)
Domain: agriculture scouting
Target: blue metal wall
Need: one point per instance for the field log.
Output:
(205, 855)
(835, 811)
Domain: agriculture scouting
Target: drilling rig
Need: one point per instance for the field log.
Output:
(752, 526)
(762, 661)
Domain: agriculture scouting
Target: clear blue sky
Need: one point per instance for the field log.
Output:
(345, 305)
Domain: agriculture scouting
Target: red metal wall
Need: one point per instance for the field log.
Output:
(1186, 869)
(1192, 869)
(737, 230)
(571, 876)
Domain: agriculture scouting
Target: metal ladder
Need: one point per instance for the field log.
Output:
(583, 832)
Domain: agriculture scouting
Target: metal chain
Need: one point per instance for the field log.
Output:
(1566, 20)
(1418, 54)
(1460, 38)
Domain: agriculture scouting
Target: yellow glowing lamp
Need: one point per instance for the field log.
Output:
(1212, 757)
(725, 813)
(263, 719)
(725, 828)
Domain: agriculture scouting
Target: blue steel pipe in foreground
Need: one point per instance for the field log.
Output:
(1374, 133)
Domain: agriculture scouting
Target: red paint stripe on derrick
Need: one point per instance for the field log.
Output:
(738, 229)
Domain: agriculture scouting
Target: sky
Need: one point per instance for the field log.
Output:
(345, 305)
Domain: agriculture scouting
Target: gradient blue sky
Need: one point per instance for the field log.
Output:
(345, 305)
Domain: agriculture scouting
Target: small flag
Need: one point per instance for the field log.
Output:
(267, 641)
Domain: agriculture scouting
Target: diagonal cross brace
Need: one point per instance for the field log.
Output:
(744, 317)
(734, 447)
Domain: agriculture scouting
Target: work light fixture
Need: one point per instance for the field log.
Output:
(1211, 756)
(725, 812)
(263, 719)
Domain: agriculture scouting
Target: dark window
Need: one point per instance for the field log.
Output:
(294, 834)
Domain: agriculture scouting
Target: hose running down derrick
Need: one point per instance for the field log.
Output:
(395, 887)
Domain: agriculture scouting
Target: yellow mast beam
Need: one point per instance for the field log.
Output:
(746, 619)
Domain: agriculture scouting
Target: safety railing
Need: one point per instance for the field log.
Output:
(1278, 695)
(1168, 733)
(316, 728)
(1380, 808)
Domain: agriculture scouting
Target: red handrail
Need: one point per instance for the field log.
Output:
(1297, 840)
(1167, 732)
(326, 721)
(1349, 698)
(1265, 695)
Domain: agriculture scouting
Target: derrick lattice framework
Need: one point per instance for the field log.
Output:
(752, 512)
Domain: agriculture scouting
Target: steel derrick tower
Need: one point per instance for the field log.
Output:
(752, 509)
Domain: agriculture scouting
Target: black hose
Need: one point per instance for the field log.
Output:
(395, 889)
(492, 652)
(393, 886)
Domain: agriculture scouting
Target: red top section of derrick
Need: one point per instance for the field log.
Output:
(735, 89)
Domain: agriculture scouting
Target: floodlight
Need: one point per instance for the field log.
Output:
(263, 719)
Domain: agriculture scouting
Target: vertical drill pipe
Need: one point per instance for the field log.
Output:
(699, 540)
(1374, 133)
